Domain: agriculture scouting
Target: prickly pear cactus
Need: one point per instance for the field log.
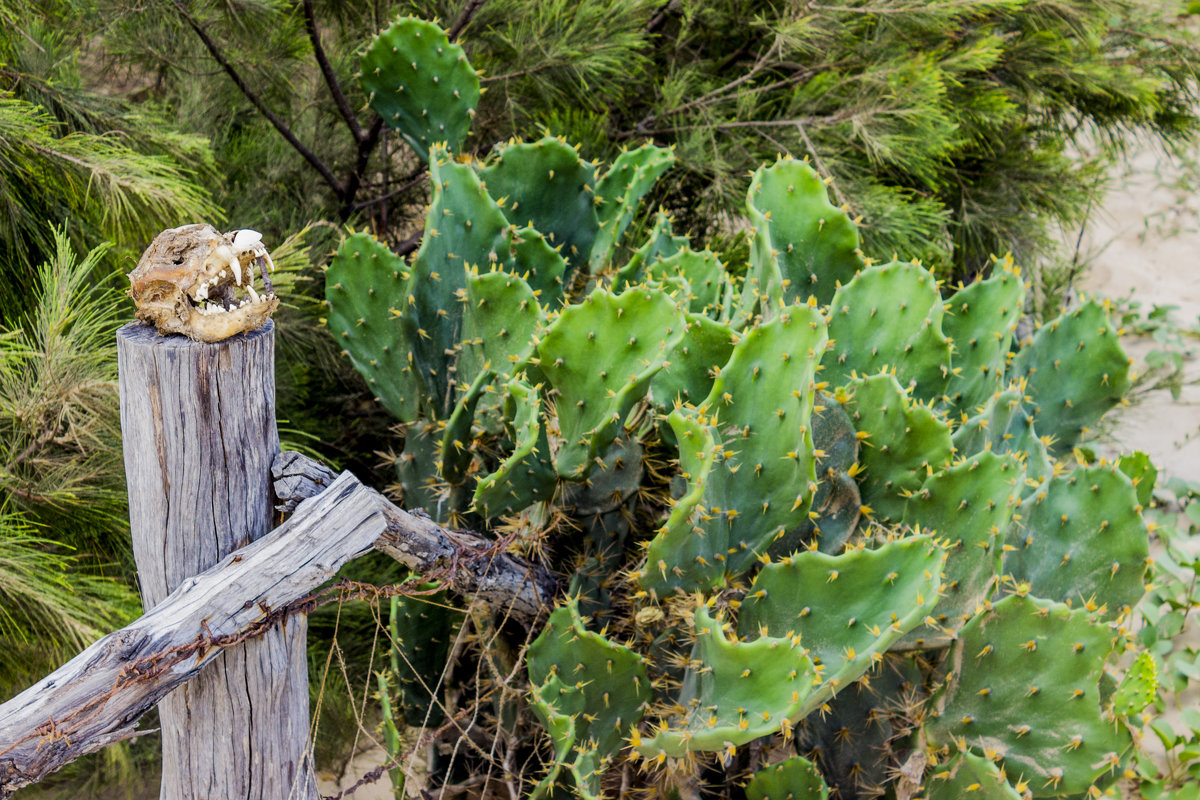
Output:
(621, 190)
(1038, 708)
(794, 779)
(421, 84)
(903, 442)
(366, 291)
(970, 505)
(547, 186)
(890, 318)
(969, 775)
(1075, 370)
(742, 690)
(589, 693)
(980, 321)
(1082, 541)
(845, 632)
(600, 356)
(802, 245)
(824, 509)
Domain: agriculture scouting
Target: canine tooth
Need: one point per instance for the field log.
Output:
(245, 239)
(236, 266)
(253, 294)
(270, 263)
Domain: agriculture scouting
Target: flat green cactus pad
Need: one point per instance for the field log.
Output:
(620, 192)
(969, 775)
(1075, 370)
(1083, 541)
(890, 318)
(421, 84)
(589, 693)
(970, 506)
(366, 290)
(600, 355)
(547, 186)
(903, 442)
(802, 244)
(743, 690)
(847, 610)
(794, 779)
(980, 321)
(1025, 688)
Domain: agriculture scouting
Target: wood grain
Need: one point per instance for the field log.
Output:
(98, 697)
(198, 422)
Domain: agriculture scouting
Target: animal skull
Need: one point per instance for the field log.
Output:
(199, 282)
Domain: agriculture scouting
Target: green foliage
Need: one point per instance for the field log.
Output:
(793, 779)
(667, 452)
(62, 496)
(589, 693)
(430, 94)
(1039, 710)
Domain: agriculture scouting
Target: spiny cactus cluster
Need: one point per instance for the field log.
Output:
(822, 505)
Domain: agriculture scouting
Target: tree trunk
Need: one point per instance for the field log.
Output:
(199, 433)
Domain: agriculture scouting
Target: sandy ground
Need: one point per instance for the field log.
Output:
(1145, 246)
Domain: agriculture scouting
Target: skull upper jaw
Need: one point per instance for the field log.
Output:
(192, 280)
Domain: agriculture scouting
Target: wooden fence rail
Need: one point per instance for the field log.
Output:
(98, 697)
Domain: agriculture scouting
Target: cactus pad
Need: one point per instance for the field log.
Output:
(969, 775)
(547, 186)
(980, 320)
(970, 506)
(890, 317)
(421, 84)
(794, 779)
(1026, 690)
(525, 477)
(620, 192)
(741, 691)
(762, 401)
(600, 355)
(687, 376)
(903, 442)
(1083, 541)
(847, 610)
(1075, 371)
(366, 287)
(680, 554)
(464, 229)
(589, 693)
(802, 245)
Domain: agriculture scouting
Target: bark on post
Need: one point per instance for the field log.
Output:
(199, 434)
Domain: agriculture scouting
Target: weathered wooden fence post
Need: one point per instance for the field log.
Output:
(199, 435)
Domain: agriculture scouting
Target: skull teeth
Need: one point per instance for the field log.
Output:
(209, 309)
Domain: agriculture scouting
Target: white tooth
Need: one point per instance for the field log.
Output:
(245, 239)
(220, 275)
(270, 263)
(236, 266)
(250, 274)
(253, 294)
(202, 292)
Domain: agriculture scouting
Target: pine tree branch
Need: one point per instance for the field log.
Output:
(335, 86)
(365, 146)
(409, 183)
(258, 103)
(464, 18)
